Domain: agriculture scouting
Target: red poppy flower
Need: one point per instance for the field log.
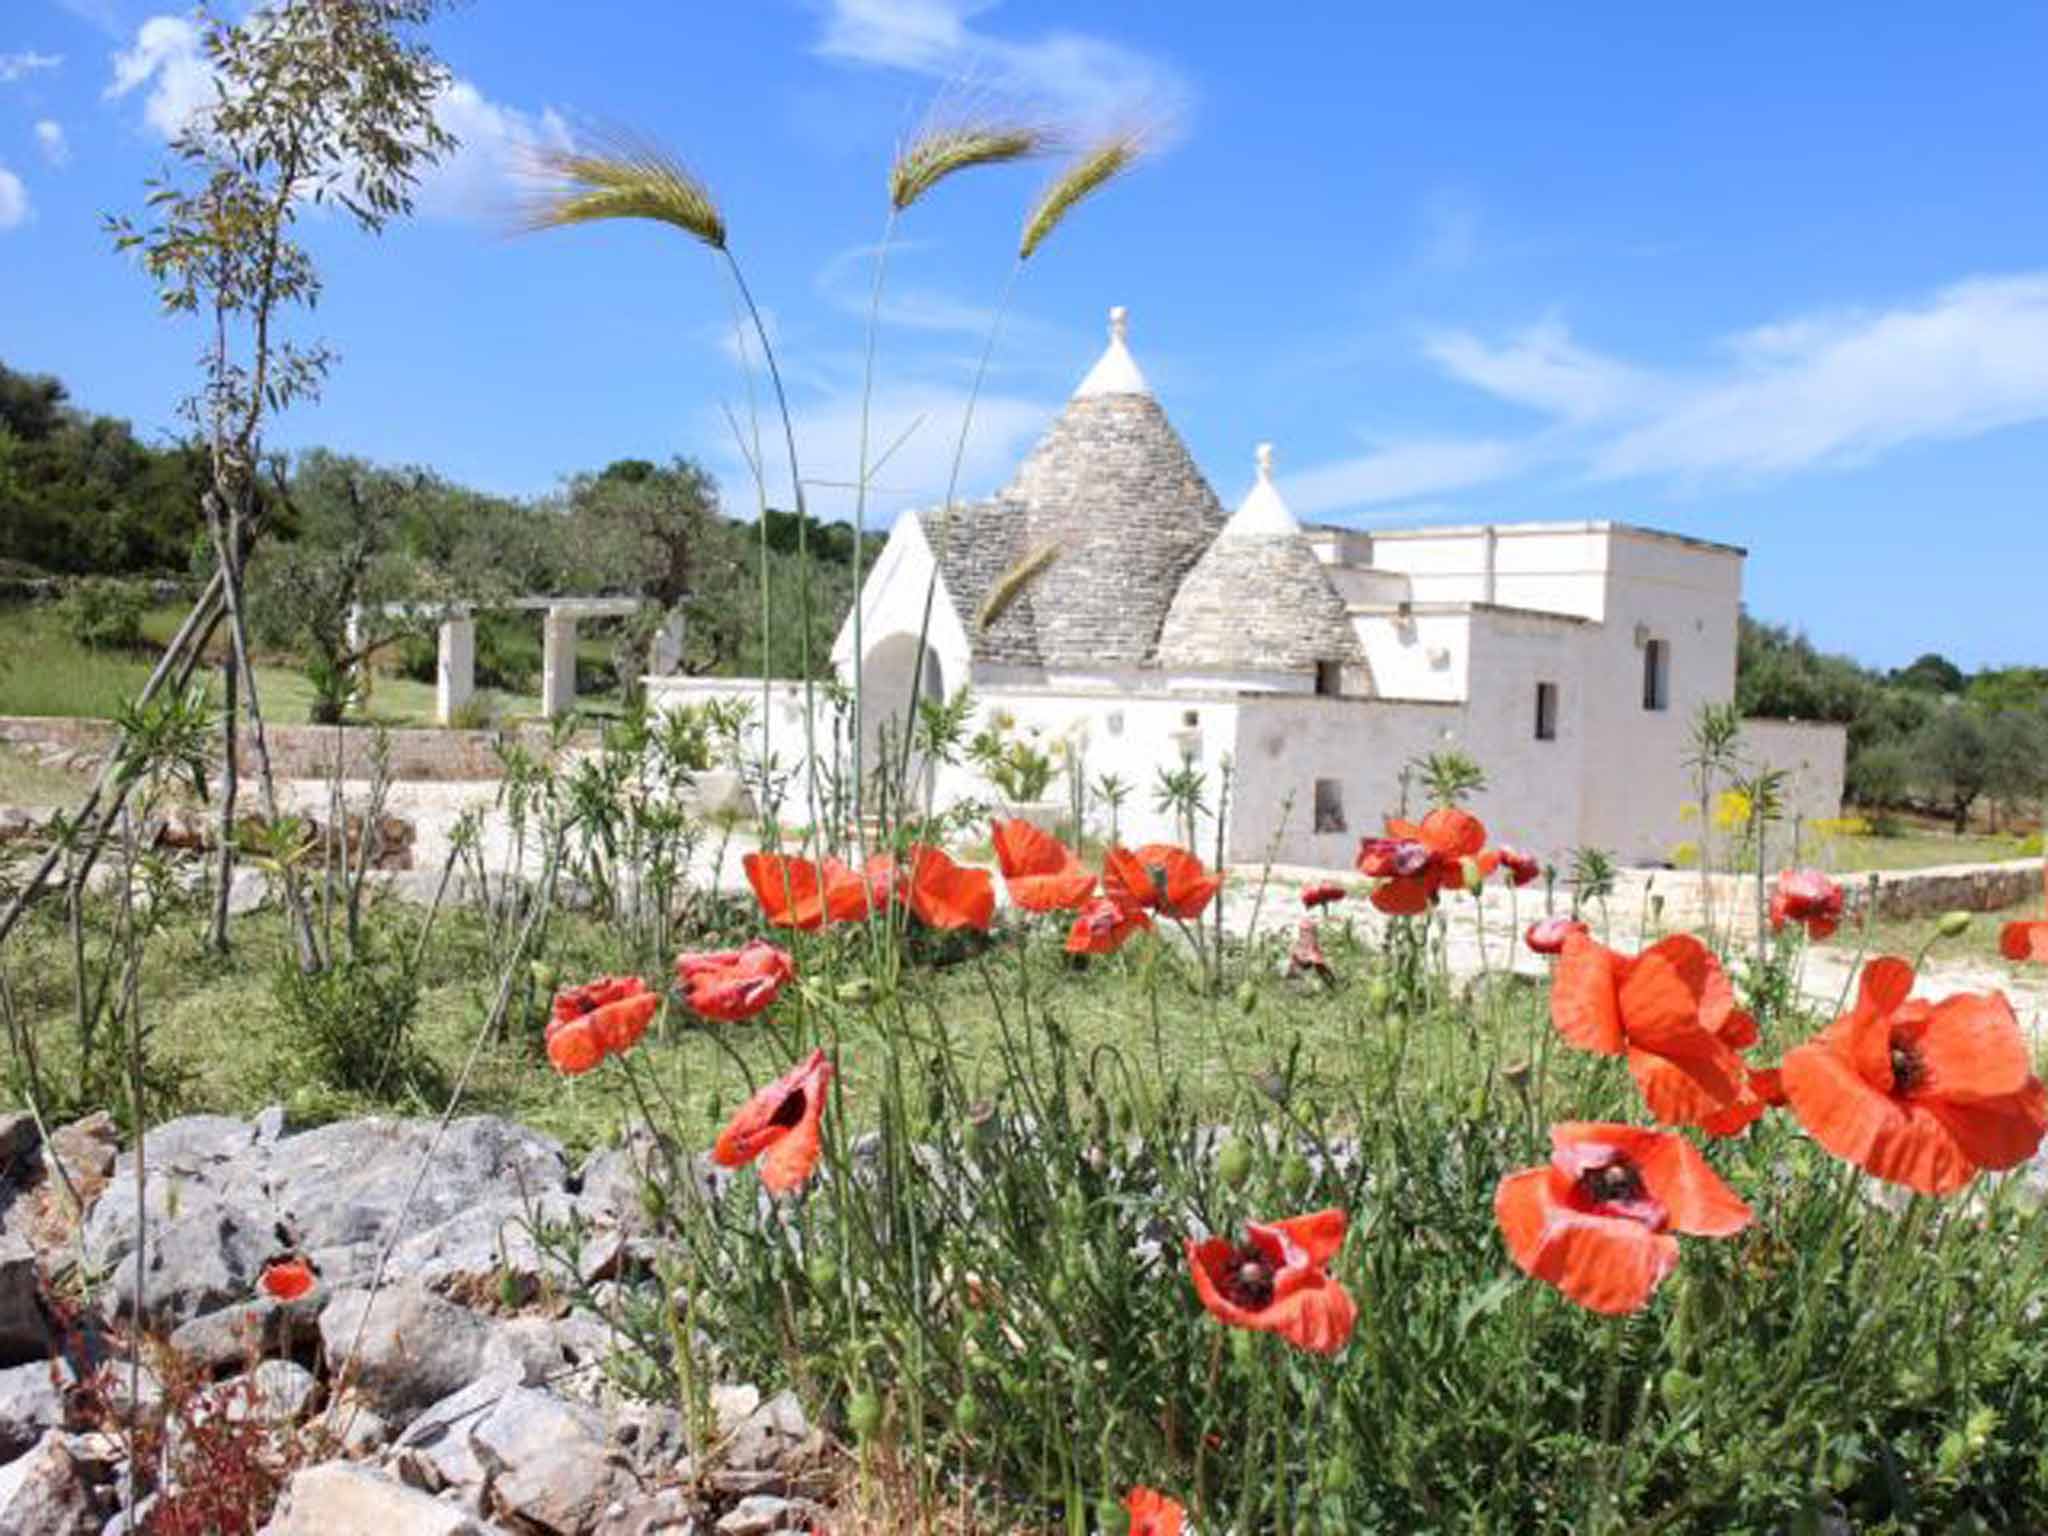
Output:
(598, 1019)
(1154, 1514)
(2024, 942)
(779, 1125)
(734, 984)
(1523, 868)
(939, 892)
(1673, 1012)
(1810, 897)
(1546, 935)
(1414, 864)
(1040, 872)
(800, 893)
(1101, 927)
(1597, 1220)
(1162, 878)
(1322, 894)
(1920, 1094)
(288, 1278)
(1277, 1281)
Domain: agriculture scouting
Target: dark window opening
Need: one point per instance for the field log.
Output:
(1546, 711)
(1329, 678)
(1657, 674)
(1329, 806)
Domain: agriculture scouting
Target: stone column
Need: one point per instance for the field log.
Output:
(665, 653)
(558, 663)
(455, 678)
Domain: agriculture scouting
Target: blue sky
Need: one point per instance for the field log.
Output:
(1777, 279)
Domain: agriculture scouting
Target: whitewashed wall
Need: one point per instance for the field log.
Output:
(1425, 656)
(1536, 790)
(1814, 757)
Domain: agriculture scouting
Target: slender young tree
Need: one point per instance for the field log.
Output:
(318, 104)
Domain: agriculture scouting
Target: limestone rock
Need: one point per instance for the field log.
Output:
(341, 1499)
(548, 1462)
(31, 1404)
(86, 1148)
(248, 889)
(44, 1492)
(436, 1452)
(414, 1349)
(24, 1333)
(760, 1513)
(671, 1512)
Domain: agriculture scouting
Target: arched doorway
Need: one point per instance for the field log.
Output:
(886, 705)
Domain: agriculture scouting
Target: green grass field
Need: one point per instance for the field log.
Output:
(44, 671)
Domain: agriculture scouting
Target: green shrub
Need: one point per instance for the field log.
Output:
(349, 1026)
(105, 615)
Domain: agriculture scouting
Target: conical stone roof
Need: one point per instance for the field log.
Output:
(1113, 489)
(1258, 600)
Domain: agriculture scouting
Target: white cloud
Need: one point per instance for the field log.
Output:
(914, 475)
(168, 59)
(497, 141)
(1403, 472)
(1845, 389)
(476, 181)
(1543, 368)
(19, 66)
(13, 200)
(1082, 79)
(51, 141)
(1801, 394)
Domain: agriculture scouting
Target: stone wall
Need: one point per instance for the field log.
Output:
(307, 751)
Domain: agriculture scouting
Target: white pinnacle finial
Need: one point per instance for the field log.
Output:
(1115, 372)
(1262, 514)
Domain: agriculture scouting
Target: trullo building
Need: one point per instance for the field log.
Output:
(1105, 598)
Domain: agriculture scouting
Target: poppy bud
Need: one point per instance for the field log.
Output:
(859, 992)
(1247, 998)
(1111, 1518)
(1677, 1389)
(1337, 1474)
(1517, 1074)
(1234, 1163)
(984, 1127)
(1378, 993)
(1953, 925)
(1471, 873)
(1295, 1173)
(966, 1413)
(863, 1413)
(543, 976)
(824, 1273)
(1058, 1290)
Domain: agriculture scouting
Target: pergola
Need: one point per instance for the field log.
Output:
(455, 676)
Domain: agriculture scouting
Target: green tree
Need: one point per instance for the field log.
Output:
(318, 104)
(1931, 673)
(1952, 753)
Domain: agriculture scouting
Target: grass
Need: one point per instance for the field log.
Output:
(43, 671)
(1918, 849)
(26, 779)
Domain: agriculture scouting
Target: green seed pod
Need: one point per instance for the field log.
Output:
(1471, 873)
(1234, 1163)
(1953, 925)
(1379, 992)
(543, 975)
(1678, 1389)
(824, 1272)
(966, 1413)
(1111, 1518)
(1338, 1474)
(1057, 1290)
(863, 1413)
(859, 992)
(1295, 1173)
(1247, 998)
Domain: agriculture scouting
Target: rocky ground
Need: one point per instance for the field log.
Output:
(461, 1393)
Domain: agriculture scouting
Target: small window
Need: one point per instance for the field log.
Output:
(1657, 674)
(1546, 711)
(1329, 678)
(1329, 805)
(1190, 718)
